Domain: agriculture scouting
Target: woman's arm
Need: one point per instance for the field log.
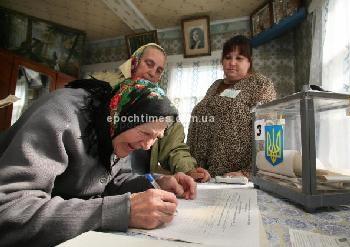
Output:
(174, 154)
(266, 91)
(39, 152)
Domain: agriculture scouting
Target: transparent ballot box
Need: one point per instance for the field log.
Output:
(302, 148)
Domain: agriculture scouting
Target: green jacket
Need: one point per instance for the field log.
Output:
(172, 153)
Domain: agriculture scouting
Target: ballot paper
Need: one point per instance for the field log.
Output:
(93, 239)
(225, 217)
(300, 238)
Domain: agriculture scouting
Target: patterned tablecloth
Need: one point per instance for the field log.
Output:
(279, 215)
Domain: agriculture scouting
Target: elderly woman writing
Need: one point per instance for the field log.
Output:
(61, 173)
(224, 145)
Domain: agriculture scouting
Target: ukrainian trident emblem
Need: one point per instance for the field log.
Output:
(274, 144)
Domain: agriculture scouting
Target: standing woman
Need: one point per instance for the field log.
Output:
(224, 145)
(61, 164)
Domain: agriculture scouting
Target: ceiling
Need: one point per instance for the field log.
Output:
(104, 19)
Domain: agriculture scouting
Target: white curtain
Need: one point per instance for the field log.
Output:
(187, 81)
(330, 68)
(330, 60)
(336, 48)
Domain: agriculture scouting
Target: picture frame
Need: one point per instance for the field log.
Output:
(261, 19)
(53, 45)
(284, 8)
(134, 41)
(196, 36)
(291, 6)
(278, 10)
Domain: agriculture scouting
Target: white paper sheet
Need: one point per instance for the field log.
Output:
(217, 217)
(93, 239)
(300, 238)
(214, 185)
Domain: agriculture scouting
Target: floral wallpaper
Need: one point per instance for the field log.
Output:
(275, 60)
(115, 49)
(302, 49)
(285, 60)
(105, 51)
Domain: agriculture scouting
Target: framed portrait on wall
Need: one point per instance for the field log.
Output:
(284, 8)
(196, 36)
(134, 41)
(261, 19)
(279, 11)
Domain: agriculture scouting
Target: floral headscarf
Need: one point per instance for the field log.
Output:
(129, 67)
(136, 102)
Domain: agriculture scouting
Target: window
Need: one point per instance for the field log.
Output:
(330, 63)
(188, 81)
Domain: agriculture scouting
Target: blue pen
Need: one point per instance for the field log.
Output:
(155, 185)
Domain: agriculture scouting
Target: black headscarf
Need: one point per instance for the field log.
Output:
(141, 100)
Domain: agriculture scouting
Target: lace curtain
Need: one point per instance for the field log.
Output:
(336, 48)
(330, 68)
(187, 80)
(330, 60)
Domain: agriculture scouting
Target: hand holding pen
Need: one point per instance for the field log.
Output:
(155, 185)
(152, 208)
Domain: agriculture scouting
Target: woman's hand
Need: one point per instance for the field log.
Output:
(188, 184)
(180, 184)
(151, 208)
(199, 174)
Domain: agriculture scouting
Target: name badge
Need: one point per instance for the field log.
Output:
(231, 93)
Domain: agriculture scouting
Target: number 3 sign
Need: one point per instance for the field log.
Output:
(259, 129)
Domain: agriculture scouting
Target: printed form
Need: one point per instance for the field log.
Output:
(217, 217)
(300, 238)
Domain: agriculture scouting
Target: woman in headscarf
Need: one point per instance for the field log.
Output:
(173, 155)
(61, 172)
